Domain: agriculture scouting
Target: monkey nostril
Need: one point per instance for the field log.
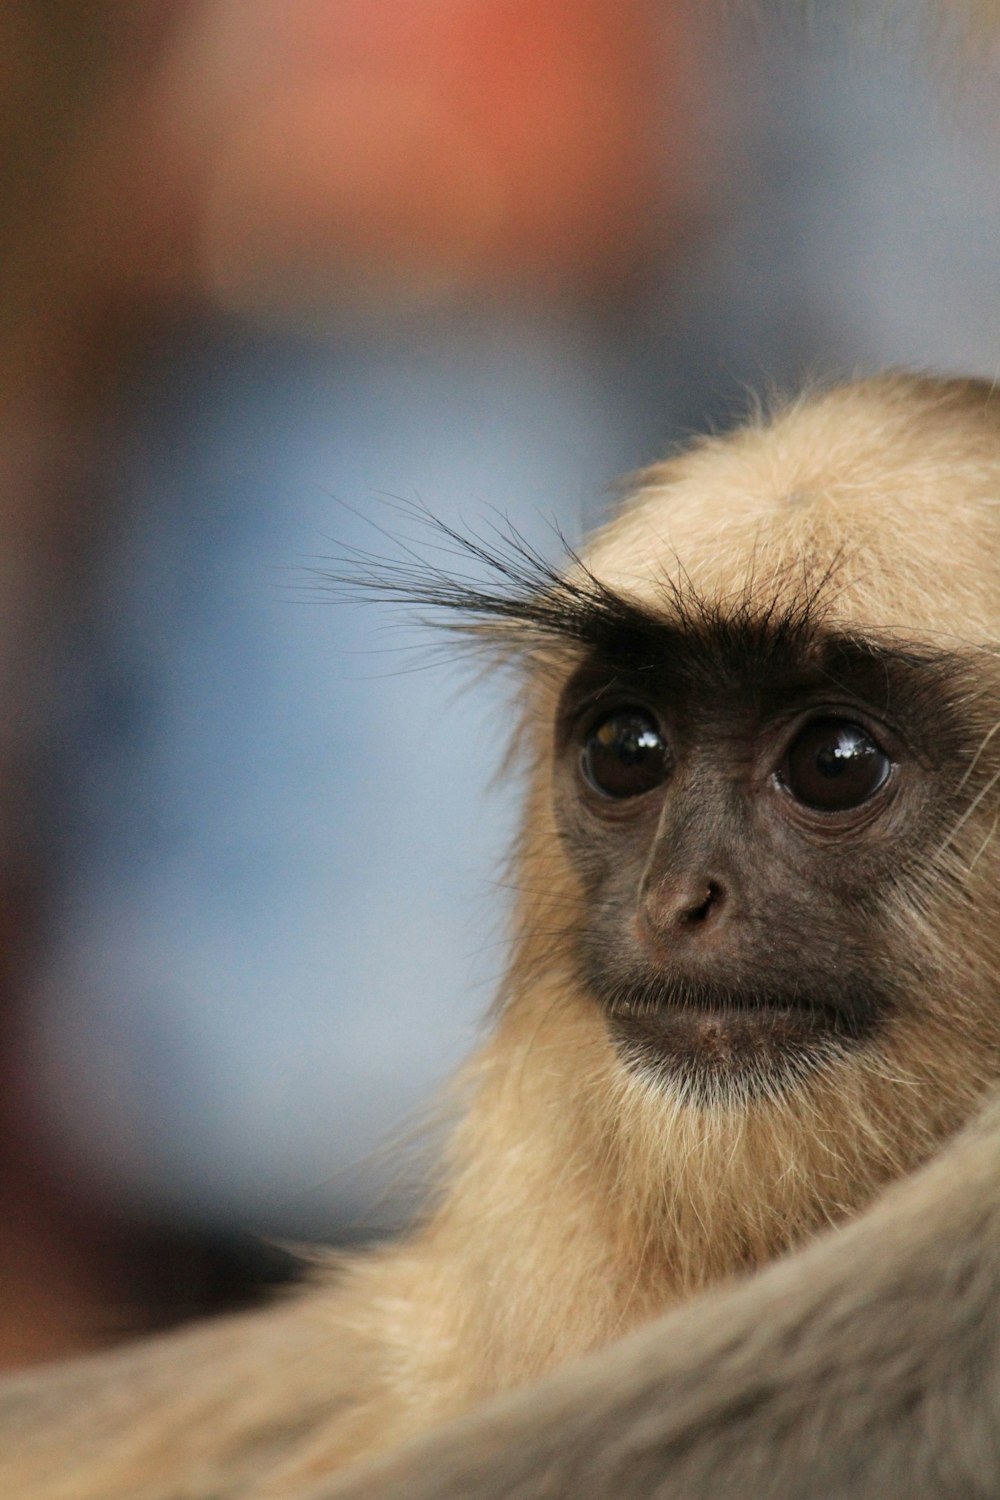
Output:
(708, 906)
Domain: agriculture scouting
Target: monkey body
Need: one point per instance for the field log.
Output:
(862, 1368)
(754, 953)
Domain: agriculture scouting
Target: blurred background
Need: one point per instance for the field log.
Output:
(273, 273)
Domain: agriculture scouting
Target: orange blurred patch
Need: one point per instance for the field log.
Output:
(400, 151)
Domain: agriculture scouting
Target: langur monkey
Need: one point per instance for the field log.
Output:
(753, 982)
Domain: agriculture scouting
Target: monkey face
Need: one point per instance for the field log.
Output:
(737, 797)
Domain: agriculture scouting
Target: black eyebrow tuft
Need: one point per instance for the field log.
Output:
(502, 594)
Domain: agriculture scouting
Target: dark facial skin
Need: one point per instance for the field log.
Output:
(737, 804)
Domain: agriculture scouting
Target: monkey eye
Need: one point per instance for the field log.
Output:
(626, 754)
(834, 765)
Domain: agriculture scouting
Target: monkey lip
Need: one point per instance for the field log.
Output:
(732, 1033)
(655, 1004)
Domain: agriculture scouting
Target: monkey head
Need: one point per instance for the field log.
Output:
(768, 742)
(759, 860)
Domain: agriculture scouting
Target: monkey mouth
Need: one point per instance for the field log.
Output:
(707, 1036)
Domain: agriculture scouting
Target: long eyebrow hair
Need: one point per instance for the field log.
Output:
(506, 594)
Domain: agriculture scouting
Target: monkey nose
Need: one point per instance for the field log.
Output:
(681, 909)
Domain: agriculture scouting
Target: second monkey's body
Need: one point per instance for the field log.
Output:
(748, 986)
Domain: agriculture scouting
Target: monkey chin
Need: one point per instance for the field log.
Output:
(712, 1047)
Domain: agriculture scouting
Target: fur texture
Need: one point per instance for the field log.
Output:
(580, 1199)
(863, 1368)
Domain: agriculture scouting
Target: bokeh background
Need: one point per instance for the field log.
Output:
(276, 273)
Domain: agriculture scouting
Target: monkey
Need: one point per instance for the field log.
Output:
(752, 984)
